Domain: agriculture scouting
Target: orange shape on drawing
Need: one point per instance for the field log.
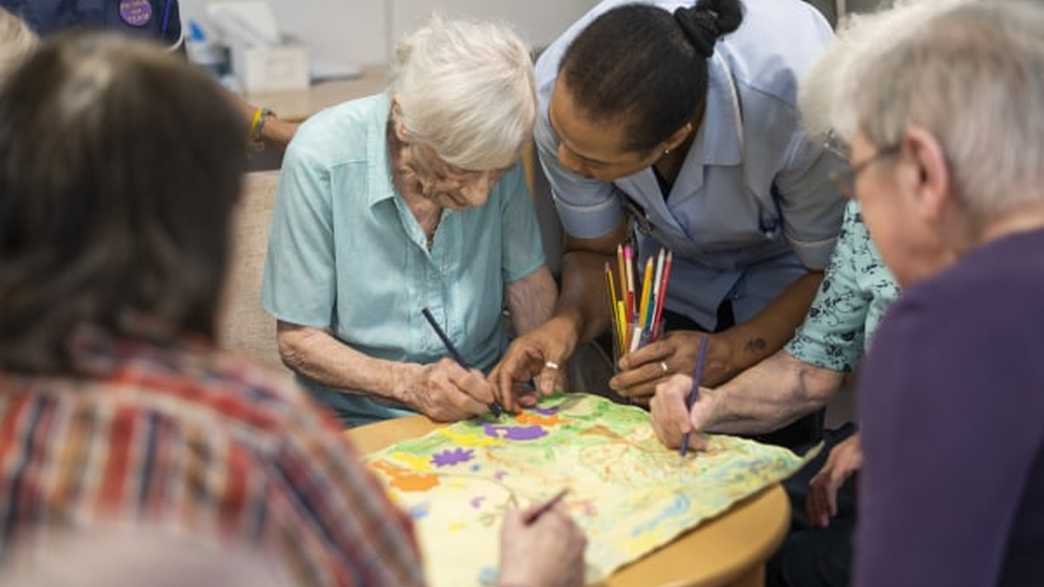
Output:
(532, 419)
(404, 479)
(414, 482)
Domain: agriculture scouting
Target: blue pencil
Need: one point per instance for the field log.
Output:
(694, 393)
(494, 408)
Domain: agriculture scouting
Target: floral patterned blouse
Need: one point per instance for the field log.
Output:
(851, 301)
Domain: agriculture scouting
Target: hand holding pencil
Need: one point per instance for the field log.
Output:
(542, 545)
(444, 391)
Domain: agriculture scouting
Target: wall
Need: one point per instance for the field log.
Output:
(364, 31)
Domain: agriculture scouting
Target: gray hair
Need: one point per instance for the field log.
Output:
(972, 76)
(16, 42)
(466, 90)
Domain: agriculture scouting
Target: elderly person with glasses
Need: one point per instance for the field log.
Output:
(406, 200)
(947, 145)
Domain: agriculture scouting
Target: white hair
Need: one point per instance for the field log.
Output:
(973, 77)
(824, 92)
(466, 90)
(16, 42)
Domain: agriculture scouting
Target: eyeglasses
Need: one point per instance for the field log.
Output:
(845, 179)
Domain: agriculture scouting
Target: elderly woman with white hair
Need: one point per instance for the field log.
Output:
(947, 162)
(406, 200)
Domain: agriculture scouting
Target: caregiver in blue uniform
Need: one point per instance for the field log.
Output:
(154, 19)
(677, 125)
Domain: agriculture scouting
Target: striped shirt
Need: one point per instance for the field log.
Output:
(203, 442)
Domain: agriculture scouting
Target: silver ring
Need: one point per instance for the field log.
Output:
(663, 365)
(551, 365)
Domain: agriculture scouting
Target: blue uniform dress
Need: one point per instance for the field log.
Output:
(753, 207)
(345, 254)
(153, 19)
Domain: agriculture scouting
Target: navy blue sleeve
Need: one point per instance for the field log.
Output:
(154, 19)
(950, 433)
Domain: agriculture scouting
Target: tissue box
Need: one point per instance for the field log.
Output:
(271, 69)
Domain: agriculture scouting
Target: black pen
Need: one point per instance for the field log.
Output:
(494, 408)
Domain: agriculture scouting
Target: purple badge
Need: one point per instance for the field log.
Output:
(136, 13)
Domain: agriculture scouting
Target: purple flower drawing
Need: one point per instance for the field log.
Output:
(546, 411)
(452, 457)
(514, 432)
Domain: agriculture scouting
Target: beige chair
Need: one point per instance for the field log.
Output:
(244, 326)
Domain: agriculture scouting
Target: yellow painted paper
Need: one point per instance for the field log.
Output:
(629, 493)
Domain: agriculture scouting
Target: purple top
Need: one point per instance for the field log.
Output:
(952, 491)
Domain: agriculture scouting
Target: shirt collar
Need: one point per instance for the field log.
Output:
(720, 138)
(379, 175)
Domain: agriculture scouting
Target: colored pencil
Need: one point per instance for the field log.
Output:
(694, 393)
(629, 263)
(612, 309)
(636, 338)
(646, 292)
(495, 408)
(657, 285)
(535, 514)
(621, 325)
(657, 327)
(621, 274)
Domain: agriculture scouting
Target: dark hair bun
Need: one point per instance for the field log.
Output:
(704, 23)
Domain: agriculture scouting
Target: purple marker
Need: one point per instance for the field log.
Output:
(694, 393)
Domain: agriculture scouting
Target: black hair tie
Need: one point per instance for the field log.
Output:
(700, 27)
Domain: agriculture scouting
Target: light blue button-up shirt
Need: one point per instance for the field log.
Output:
(753, 207)
(347, 255)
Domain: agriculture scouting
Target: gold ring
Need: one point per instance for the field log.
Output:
(663, 365)
(551, 365)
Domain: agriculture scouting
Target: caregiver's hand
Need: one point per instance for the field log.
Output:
(644, 369)
(444, 391)
(539, 355)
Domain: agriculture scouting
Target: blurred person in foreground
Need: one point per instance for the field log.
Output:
(115, 405)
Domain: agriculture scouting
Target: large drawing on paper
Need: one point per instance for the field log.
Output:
(627, 491)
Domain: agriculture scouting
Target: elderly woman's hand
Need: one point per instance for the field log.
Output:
(671, 420)
(444, 391)
(844, 461)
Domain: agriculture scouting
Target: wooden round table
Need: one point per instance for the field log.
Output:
(729, 550)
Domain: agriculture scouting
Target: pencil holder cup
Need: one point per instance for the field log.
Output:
(648, 337)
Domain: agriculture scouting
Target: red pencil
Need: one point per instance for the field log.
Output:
(663, 296)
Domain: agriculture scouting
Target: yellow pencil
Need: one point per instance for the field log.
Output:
(646, 285)
(621, 324)
(612, 306)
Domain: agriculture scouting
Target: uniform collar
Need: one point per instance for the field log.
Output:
(379, 175)
(720, 138)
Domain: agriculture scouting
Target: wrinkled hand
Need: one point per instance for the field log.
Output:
(642, 370)
(527, 360)
(670, 419)
(547, 553)
(844, 461)
(445, 391)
